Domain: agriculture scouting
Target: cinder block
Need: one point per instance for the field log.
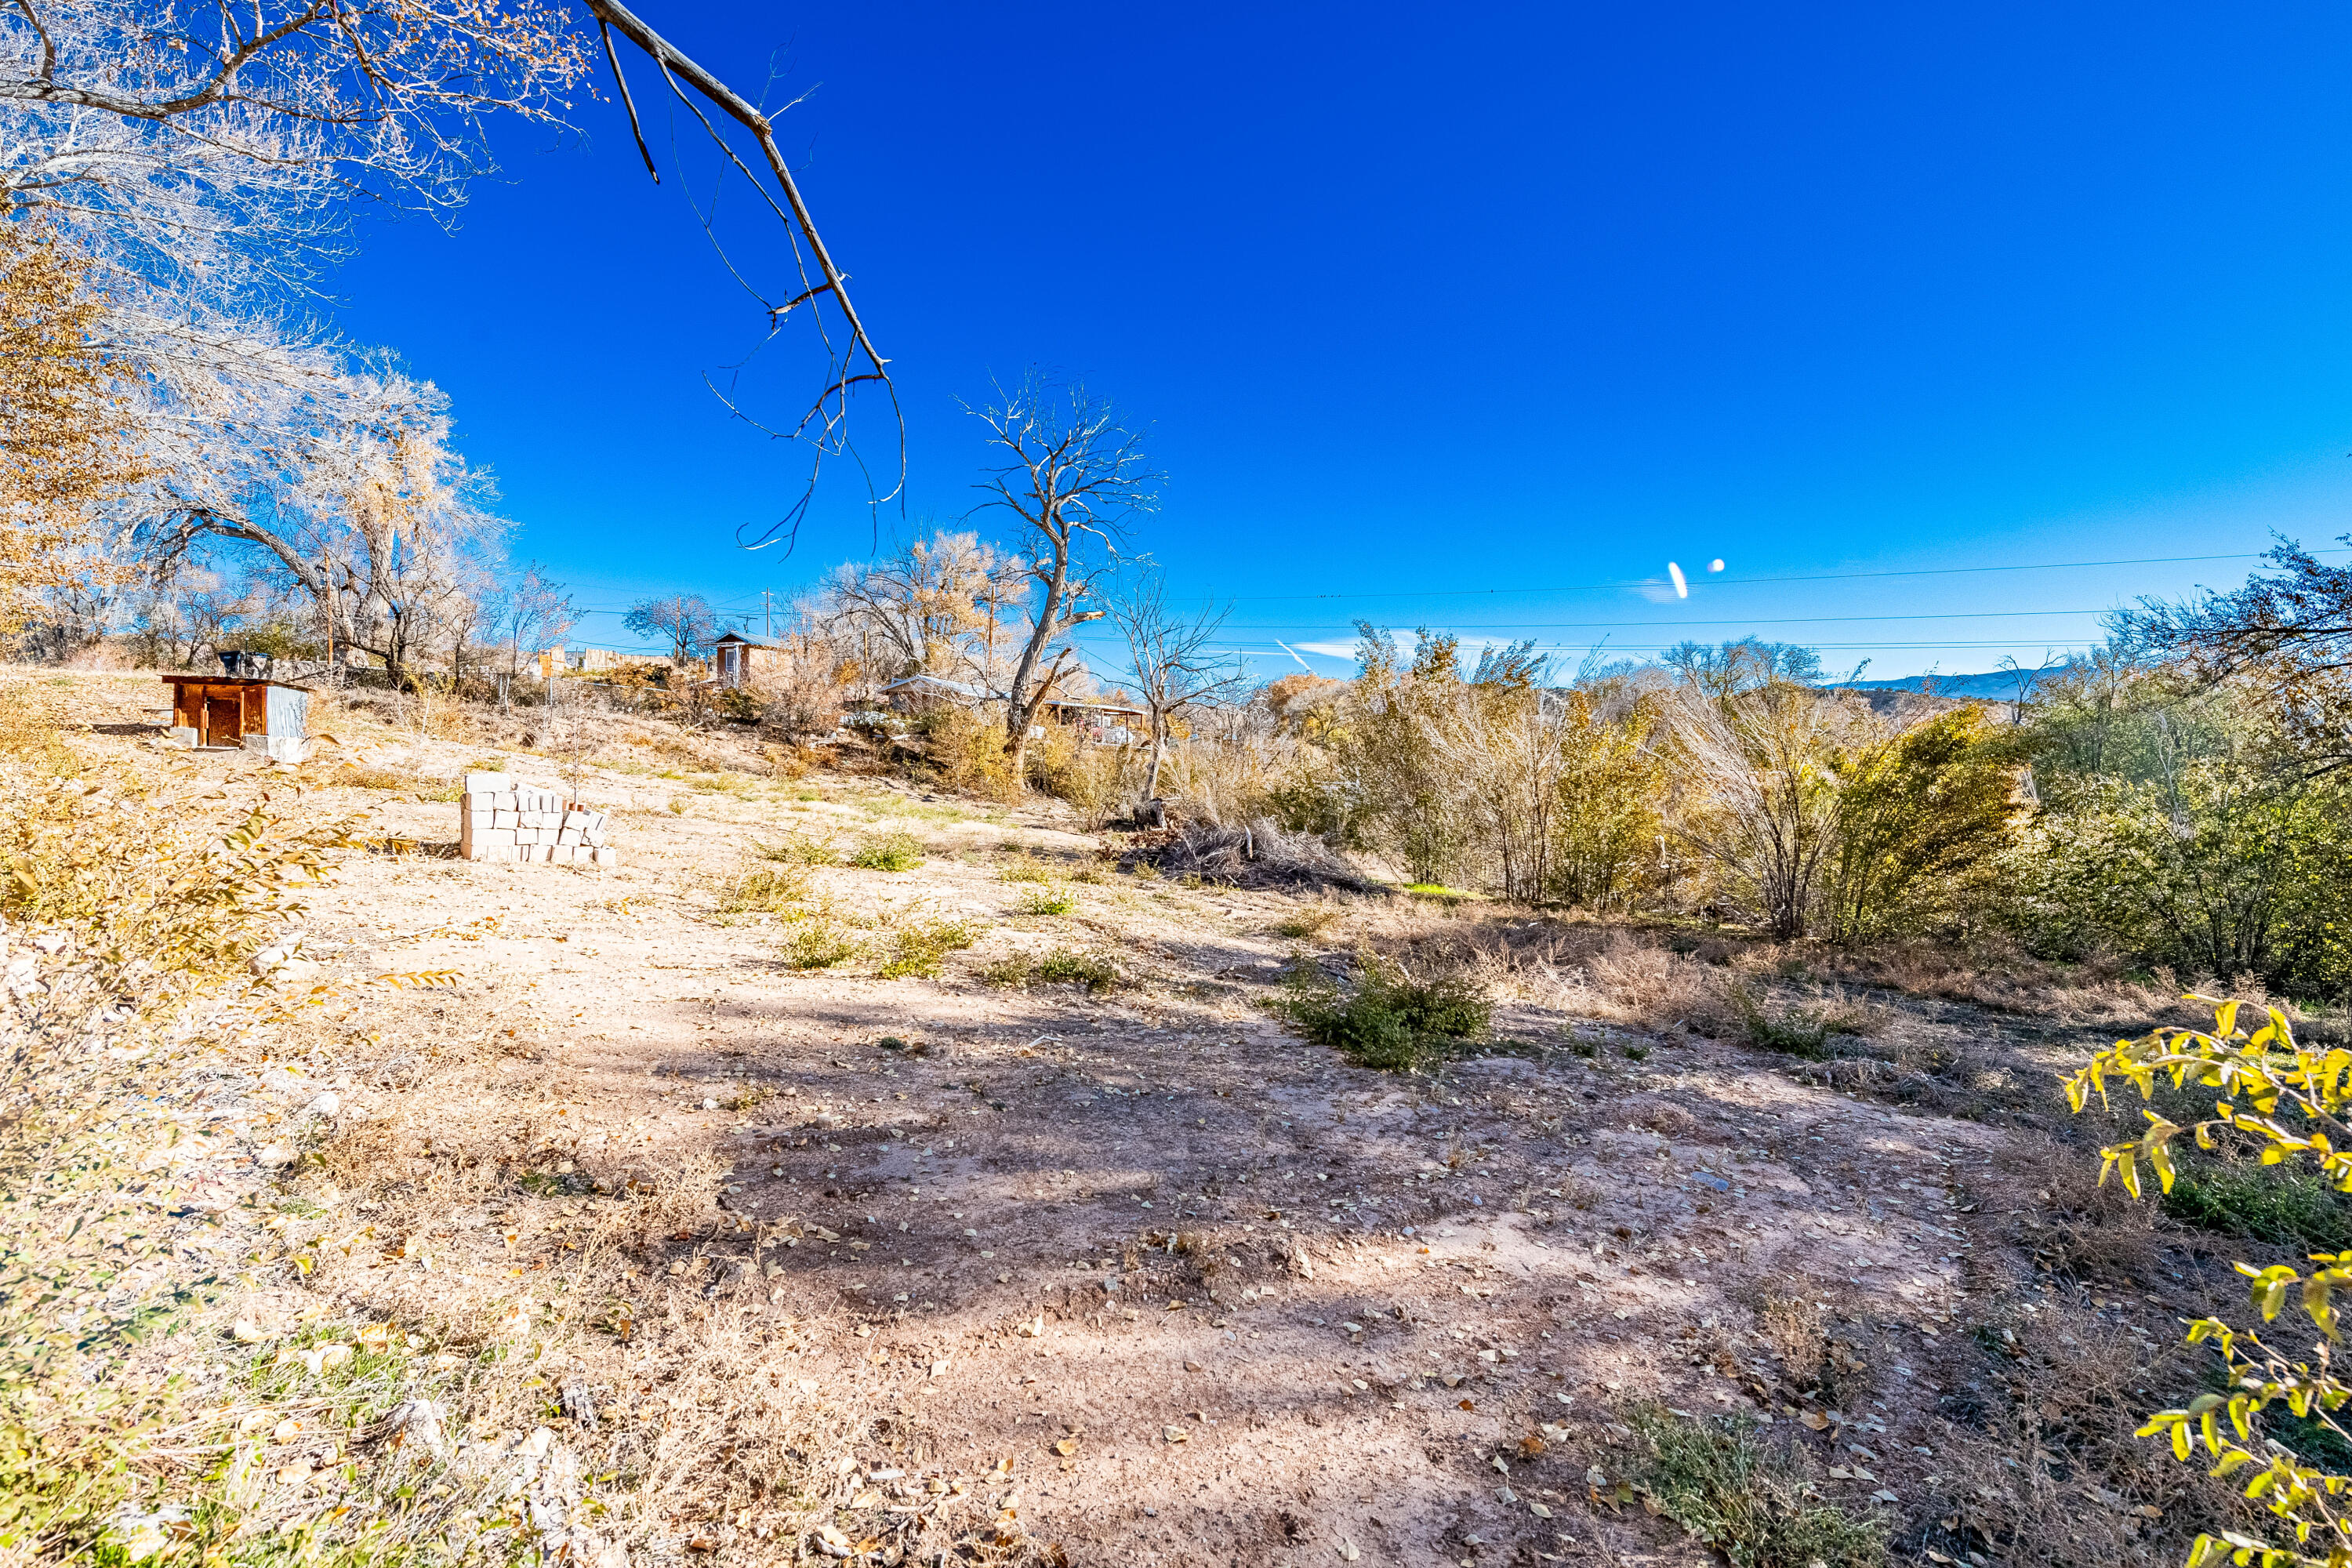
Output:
(606, 857)
(489, 783)
(568, 837)
(506, 819)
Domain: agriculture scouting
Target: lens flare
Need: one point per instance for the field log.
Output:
(1682, 585)
(1715, 564)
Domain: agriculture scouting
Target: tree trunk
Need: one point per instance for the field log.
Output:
(1151, 784)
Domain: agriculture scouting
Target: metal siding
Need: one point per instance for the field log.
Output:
(289, 713)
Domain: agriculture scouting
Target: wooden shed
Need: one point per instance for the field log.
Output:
(737, 661)
(254, 713)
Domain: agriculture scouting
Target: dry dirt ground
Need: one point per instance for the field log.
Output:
(1130, 1276)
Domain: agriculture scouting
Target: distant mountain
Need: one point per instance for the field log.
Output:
(1993, 685)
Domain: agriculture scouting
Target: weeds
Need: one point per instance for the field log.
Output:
(764, 890)
(1798, 1031)
(895, 851)
(1024, 867)
(1068, 966)
(1747, 1500)
(817, 942)
(918, 947)
(1048, 901)
(800, 847)
(1392, 1022)
(1311, 921)
(353, 775)
(2284, 1206)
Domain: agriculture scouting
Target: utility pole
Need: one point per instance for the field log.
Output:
(767, 615)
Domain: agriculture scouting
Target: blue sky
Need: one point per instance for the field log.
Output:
(1475, 317)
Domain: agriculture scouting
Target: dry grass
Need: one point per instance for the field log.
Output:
(2050, 1467)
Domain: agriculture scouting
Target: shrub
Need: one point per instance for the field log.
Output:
(895, 851)
(1011, 970)
(964, 752)
(1067, 966)
(2270, 1082)
(1799, 1031)
(1093, 779)
(1310, 921)
(1392, 1022)
(1048, 901)
(1024, 867)
(918, 947)
(764, 890)
(818, 942)
(1748, 1501)
(2284, 1206)
(799, 846)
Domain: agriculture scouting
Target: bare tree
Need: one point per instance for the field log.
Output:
(684, 621)
(531, 613)
(1170, 657)
(1074, 476)
(2287, 633)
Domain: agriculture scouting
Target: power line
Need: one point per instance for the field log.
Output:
(1734, 621)
(1723, 582)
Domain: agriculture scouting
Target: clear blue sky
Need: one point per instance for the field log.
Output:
(1418, 299)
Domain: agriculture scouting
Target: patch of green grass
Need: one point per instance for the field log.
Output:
(1068, 966)
(1439, 890)
(1799, 1031)
(2275, 1203)
(896, 851)
(1024, 868)
(917, 948)
(1048, 901)
(1749, 1501)
(1392, 1021)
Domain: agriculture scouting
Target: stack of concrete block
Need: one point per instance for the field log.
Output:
(504, 819)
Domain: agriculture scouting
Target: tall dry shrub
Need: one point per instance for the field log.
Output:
(1760, 792)
(964, 752)
(1097, 780)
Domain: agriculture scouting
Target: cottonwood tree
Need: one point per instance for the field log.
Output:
(205, 157)
(936, 605)
(379, 525)
(1170, 657)
(684, 621)
(216, 148)
(65, 442)
(1075, 477)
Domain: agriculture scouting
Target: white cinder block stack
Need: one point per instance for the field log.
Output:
(504, 819)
